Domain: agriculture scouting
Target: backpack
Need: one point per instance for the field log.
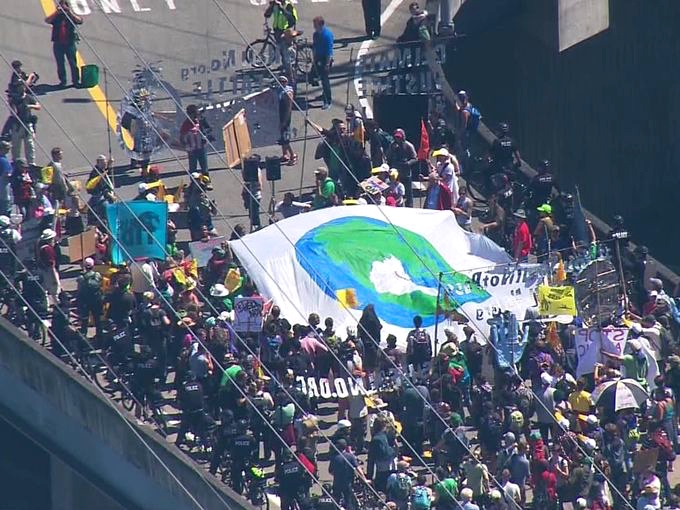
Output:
(93, 282)
(474, 119)
(421, 499)
(666, 452)
(403, 487)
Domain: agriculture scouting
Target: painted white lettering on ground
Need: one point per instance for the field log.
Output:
(171, 4)
(80, 7)
(137, 7)
(110, 6)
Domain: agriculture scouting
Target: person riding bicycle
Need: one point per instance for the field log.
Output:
(324, 501)
(118, 340)
(192, 402)
(242, 450)
(294, 481)
(504, 151)
(89, 298)
(9, 237)
(226, 433)
(284, 18)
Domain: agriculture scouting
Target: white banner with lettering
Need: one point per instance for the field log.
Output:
(590, 343)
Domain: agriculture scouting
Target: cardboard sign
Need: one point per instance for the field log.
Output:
(644, 460)
(590, 342)
(202, 251)
(248, 314)
(82, 245)
(330, 389)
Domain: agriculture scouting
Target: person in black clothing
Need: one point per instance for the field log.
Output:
(541, 186)
(64, 39)
(192, 402)
(412, 31)
(372, 10)
(242, 449)
(226, 433)
(144, 381)
(118, 340)
(504, 151)
(343, 466)
(121, 301)
(369, 333)
(293, 481)
(380, 142)
(402, 156)
(153, 325)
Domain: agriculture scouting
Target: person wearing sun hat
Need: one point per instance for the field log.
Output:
(48, 263)
(521, 238)
(446, 169)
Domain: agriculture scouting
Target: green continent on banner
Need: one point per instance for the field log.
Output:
(376, 260)
(138, 230)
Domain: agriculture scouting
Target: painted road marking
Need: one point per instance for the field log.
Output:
(96, 92)
(82, 7)
(363, 50)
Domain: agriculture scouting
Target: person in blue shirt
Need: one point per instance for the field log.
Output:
(322, 46)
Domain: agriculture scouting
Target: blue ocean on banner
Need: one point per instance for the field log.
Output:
(139, 229)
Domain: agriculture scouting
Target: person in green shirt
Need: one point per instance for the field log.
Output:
(325, 190)
(445, 491)
(635, 364)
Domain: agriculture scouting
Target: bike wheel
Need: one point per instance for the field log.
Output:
(261, 53)
(127, 400)
(304, 60)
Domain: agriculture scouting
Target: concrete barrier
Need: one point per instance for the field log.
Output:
(68, 417)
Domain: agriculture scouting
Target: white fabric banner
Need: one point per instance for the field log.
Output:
(336, 261)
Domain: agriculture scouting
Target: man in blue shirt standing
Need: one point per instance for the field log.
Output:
(322, 46)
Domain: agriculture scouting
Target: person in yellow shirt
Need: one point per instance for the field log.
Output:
(581, 401)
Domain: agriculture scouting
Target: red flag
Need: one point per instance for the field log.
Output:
(424, 148)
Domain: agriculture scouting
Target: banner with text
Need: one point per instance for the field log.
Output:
(138, 229)
(556, 300)
(590, 343)
(330, 388)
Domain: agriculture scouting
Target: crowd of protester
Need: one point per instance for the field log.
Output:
(448, 429)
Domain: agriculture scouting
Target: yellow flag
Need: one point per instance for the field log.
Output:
(348, 297)
(192, 269)
(180, 276)
(556, 300)
(233, 279)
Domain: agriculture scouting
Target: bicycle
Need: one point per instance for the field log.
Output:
(264, 52)
(256, 487)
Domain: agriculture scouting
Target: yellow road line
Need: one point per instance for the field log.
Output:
(96, 92)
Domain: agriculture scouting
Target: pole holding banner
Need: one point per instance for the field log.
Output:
(436, 312)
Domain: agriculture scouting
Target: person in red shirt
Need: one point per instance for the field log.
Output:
(521, 239)
(193, 134)
(46, 255)
(64, 39)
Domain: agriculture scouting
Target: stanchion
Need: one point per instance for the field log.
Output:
(436, 312)
(108, 126)
(304, 141)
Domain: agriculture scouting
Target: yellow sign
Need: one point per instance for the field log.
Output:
(348, 297)
(556, 300)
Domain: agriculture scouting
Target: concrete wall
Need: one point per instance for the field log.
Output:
(606, 111)
(65, 415)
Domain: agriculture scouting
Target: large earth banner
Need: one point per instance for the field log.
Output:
(336, 261)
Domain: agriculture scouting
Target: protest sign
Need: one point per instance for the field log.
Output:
(326, 389)
(556, 300)
(138, 229)
(248, 314)
(202, 250)
(590, 342)
(82, 245)
(645, 460)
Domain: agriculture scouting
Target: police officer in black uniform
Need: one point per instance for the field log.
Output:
(119, 341)
(242, 450)
(293, 481)
(541, 185)
(154, 323)
(144, 379)
(33, 291)
(226, 433)
(325, 501)
(504, 151)
(8, 247)
(192, 402)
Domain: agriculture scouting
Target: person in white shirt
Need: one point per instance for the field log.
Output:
(511, 490)
(447, 172)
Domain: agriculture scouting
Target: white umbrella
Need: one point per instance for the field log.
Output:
(620, 394)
